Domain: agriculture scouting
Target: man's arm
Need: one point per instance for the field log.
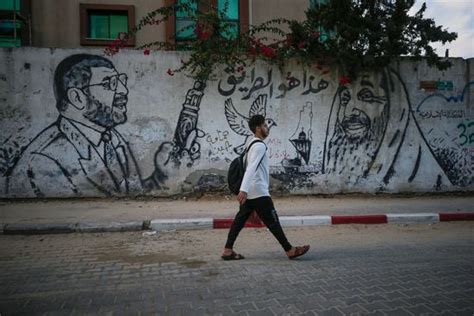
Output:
(254, 157)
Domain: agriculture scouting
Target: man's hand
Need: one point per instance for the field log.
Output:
(242, 197)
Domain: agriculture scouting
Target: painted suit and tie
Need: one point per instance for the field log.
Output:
(82, 154)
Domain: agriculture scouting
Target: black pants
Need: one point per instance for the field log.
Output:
(266, 211)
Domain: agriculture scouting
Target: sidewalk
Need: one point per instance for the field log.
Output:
(105, 214)
(370, 270)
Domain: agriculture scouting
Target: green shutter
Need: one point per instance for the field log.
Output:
(186, 21)
(232, 30)
(118, 24)
(107, 25)
(9, 4)
(7, 27)
(9, 42)
(231, 17)
(99, 26)
(232, 12)
(314, 4)
(185, 29)
(7, 32)
(193, 6)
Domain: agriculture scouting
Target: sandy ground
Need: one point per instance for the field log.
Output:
(107, 210)
(202, 246)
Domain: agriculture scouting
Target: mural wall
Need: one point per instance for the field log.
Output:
(77, 124)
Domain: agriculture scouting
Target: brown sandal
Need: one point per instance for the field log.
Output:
(299, 251)
(233, 256)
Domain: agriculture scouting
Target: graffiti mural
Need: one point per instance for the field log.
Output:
(373, 135)
(82, 152)
(186, 131)
(289, 83)
(219, 145)
(239, 123)
(96, 126)
(298, 169)
(451, 146)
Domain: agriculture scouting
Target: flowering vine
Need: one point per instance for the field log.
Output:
(349, 35)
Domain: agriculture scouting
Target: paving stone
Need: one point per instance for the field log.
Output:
(243, 307)
(352, 310)
(464, 312)
(439, 307)
(463, 303)
(372, 298)
(330, 312)
(396, 312)
(419, 310)
(80, 274)
(262, 312)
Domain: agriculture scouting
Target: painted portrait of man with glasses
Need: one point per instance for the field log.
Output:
(81, 153)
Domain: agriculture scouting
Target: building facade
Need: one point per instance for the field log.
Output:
(95, 23)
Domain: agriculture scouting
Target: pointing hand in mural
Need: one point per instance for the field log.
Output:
(170, 158)
(82, 152)
(239, 122)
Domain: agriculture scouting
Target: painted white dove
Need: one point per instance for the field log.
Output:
(240, 124)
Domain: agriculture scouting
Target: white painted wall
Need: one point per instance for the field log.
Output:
(420, 140)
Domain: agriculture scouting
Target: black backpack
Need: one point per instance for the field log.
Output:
(236, 172)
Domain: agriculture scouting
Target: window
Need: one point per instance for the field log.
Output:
(186, 21)
(11, 23)
(183, 24)
(107, 25)
(7, 33)
(10, 5)
(314, 4)
(231, 14)
(101, 24)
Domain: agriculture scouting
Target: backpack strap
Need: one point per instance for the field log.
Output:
(248, 149)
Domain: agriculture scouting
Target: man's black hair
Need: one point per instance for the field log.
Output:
(255, 121)
(75, 72)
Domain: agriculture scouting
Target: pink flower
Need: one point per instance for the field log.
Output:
(268, 52)
(301, 45)
(113, 48)
(118, 43)
(202, 35)
(146, 52)
(344, 80)
(170, 72)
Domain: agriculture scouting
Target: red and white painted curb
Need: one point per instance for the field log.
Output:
(211, 223)
(291, 221)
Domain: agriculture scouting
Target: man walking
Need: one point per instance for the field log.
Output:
(254, 195)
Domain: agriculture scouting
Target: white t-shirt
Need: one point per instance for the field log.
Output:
(256, 180)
